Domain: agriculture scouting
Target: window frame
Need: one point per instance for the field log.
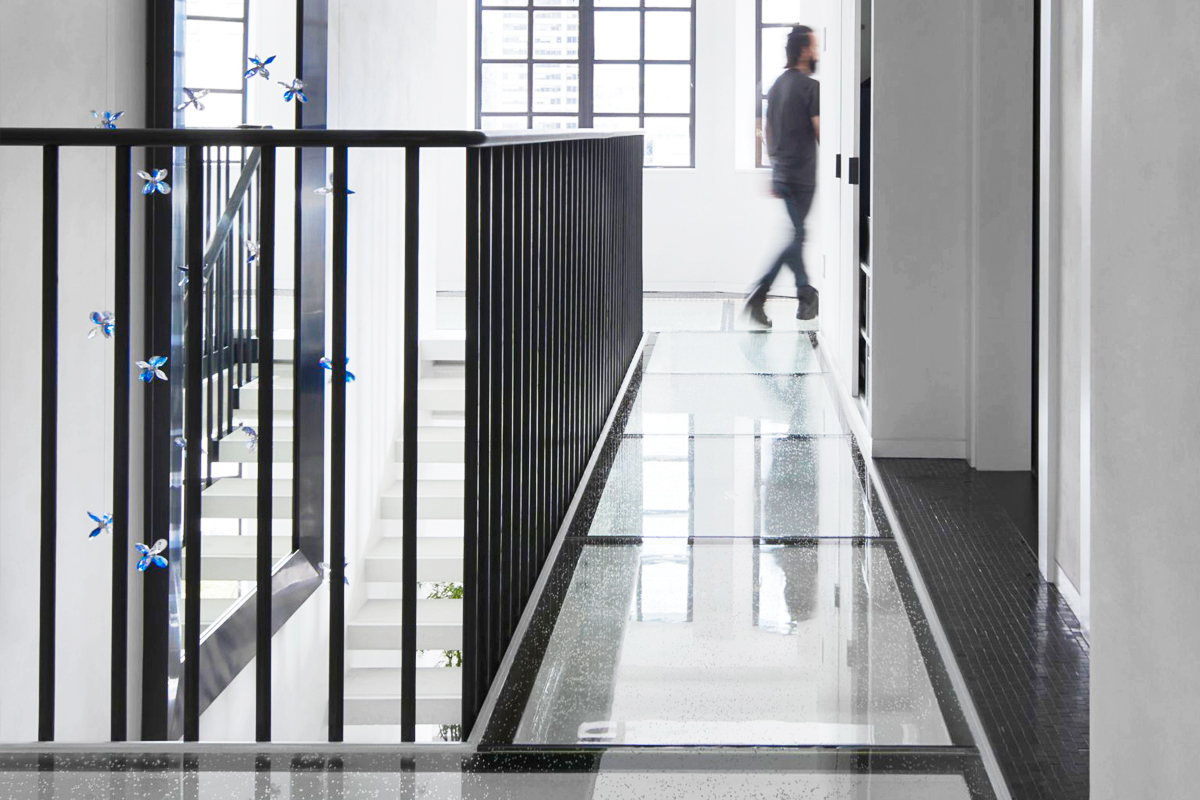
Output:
(760, 95)
(244, 21)
(586, 63)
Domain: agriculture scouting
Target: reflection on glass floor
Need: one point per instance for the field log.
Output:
(729, 641)
(772, 486)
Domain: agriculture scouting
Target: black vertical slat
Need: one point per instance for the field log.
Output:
(192, 428)
(266, 447)
(119, 670)
(498, 342)
(408, 576)
(470, 651)
(518, 276)
(223, 290)
(49, 489)
(337, 456)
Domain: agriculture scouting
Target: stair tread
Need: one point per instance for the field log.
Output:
(384, 683)
(427, 547)
(246, 487)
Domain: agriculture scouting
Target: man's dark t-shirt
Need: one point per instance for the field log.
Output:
(792, 143)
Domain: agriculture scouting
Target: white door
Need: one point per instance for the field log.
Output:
(829, 185)
(848, 309)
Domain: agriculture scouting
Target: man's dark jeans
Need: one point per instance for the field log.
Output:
(798, 199)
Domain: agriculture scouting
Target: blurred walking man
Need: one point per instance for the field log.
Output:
(792, 130)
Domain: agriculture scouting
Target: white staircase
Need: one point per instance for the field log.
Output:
(229, 507)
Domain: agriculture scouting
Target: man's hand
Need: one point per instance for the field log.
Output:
(817, 128)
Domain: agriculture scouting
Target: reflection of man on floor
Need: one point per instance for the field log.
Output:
(790, 509)
(792, 129)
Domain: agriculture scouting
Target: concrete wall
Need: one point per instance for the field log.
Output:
(1145, 243)
(59, 61)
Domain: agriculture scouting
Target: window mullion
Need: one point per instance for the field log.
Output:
(587, 59)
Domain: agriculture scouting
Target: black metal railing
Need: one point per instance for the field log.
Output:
(553, 318)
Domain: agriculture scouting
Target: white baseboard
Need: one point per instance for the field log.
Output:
(1075, 600)
(919, 448)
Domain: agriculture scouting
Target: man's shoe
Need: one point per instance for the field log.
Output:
(809, 304)
(757, 314)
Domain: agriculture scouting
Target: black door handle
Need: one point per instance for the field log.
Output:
(837, 166)
(854, 171)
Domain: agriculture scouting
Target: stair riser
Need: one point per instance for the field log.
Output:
(248, 398)
(429, 570)
(430, 711)
(242, 508)
(240, 453)
(387, 637)
(427, 508)
(442, 399)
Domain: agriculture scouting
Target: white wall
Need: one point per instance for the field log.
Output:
(1144, 386)
(299, 684)
(59, 61)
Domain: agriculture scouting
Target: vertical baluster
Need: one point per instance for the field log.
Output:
(266, 447)
(49, 486)
(192, 431)
(337, 470)
(408, 610)
(476, 205)
(120, 486)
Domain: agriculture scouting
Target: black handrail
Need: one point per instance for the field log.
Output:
(262, 137)
(553, 316)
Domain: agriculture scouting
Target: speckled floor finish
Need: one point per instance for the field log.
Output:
(729, 616)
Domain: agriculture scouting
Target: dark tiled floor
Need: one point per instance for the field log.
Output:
(1015, 639)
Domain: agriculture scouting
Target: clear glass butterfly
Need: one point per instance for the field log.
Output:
(328, 188)
(150, 555)
(253, 249)
(105, 324)
(295, 89)
(107, 119)
(184, 274)
(258, 67)
(152, 369)
(325, 571)
(192, 98)
(327, 364)
(103, 524)
(181, 443)
(156, 182)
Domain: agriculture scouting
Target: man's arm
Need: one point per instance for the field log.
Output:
(817, 128)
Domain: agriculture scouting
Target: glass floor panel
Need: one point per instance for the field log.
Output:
(518, 774)
(735, 404)
(733, 352)
(735, 642)
(730, 486)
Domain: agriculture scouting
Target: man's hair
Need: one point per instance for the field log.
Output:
(799, 39)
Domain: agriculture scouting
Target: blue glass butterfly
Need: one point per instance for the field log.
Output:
(327, 364)
(107, 119)
(258, 67)
(105, 324)
(295, 89)
(150, 555)
(156, 182)
(328, 188)
(253, 249)
(192, 98)
(326, 570)
(152, 369)
(252, 436)
(103, 524)
(184, 274)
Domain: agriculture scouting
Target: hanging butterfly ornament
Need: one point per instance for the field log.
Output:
(152, 369)
(258, 67)
(253, 249)
(150, 555)
(107, 119)
(295, 90)
(105, 324)
(103, 524)
(326, 570)
(192, 98)
(251, 437)
(328, 188)
(156, 182)
(184, 274)
(327, 364)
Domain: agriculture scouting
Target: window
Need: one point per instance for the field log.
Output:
(774, 20)
(607, 64)
(214, 58)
